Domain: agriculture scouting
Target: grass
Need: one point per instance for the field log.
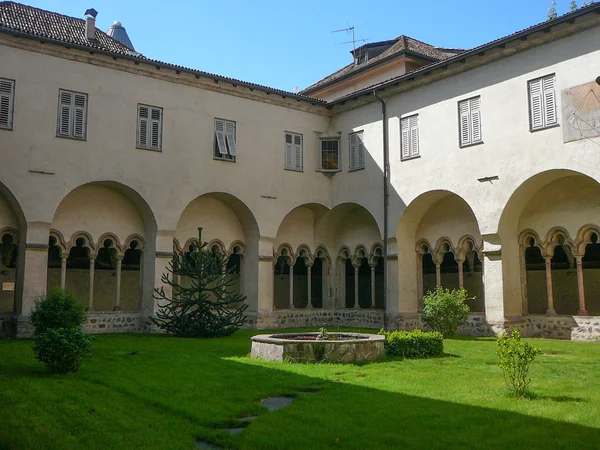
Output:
(161, 392)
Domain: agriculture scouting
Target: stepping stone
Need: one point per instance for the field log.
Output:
(248, 419)
(207, 445)
(234, 431)
(275, 403)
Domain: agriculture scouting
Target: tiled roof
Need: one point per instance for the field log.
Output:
(402, 44)
(47, 24)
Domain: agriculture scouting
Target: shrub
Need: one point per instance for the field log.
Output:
(413, 344)
(515, 358)
(445, 310)
(59, 309)
(62, 350)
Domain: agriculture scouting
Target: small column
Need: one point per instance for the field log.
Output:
(117, 306)
(356, 305)
(461, 277)
(91, 292)
(580, 287)
(309, 269)
(291, 285)
(373, 285)
(63, 271)
(438, 273)
(548, 261)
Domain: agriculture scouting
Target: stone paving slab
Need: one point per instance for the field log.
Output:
(275, 403)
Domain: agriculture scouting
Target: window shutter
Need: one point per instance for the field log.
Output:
(549, 100)
(230, 135)
(6, 103)
(475, 119)
(220, 135)
(353, 148)
(536, 104)
(360, 151)
(155, 136)
(298, 151)
(405, 138)
(465, 134)
(64, 113)
(79, 115)
(288, 150)
(143, 117)
(414, 136)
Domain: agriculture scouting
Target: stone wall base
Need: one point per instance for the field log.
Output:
(317, 318)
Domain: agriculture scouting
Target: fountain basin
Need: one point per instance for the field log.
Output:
(304, 347)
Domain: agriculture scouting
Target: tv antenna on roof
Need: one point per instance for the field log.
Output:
(353, 41)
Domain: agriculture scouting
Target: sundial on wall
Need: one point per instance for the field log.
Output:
(581, 112)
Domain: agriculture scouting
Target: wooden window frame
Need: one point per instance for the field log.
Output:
(149, 145)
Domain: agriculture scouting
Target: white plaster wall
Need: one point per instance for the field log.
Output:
(297, 228)
(7, 215)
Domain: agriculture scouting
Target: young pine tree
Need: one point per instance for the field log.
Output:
(207, 304)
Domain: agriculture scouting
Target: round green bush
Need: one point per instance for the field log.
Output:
(59, 309)
(445, 310)
(62, 350)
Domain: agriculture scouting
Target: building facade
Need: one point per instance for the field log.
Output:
(489, 159)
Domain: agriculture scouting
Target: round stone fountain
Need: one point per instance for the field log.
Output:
(305, 347)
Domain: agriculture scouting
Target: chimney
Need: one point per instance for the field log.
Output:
(90, 24)
(90, 28)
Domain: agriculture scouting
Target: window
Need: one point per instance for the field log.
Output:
(330, 155)
(357, 151)
(72, 114)
(293, 152)
(469, 117)
(542, 103)
(149, 127)
(224, 144)
(410, 136)
(7, 100)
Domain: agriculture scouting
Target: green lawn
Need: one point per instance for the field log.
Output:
(148, 392)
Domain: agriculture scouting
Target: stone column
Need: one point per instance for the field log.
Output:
(373, 285)
(461, 277)
(90, 306)
(291, 285)
(438, 273)
(117, 306)
(493, 279)
(356, 304)
(63, 271)
(581, 286)
(548, 261)
(309, 269)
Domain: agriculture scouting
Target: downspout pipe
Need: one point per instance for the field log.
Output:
(386, 194)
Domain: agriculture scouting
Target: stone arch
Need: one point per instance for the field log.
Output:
(438, 216)
(96, 211)
(226, 218)
(217, 243)
(555, 204)
(299, 226)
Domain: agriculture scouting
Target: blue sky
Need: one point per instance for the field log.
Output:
(289, 43)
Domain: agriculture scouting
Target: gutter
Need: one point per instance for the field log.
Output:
(386, 194)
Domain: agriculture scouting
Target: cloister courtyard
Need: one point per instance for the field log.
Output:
(154, 391)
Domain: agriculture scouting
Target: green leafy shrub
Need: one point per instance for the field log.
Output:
(515, 358)
(445, 310)
(62, 350)
(59, 309)
(413, 344)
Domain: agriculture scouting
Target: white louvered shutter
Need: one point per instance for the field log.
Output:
(360, 151)
(79, 115)
(220, 136)
(465, 133)
(288, 150)
(536, 104)
(548, 85)
(64, 113)
(230, 135)
(414, 136)
(475, 104)
(7, 95)
(156, 128)
(352, 152)
(143, 126)
(405, 131)
(297, 152)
